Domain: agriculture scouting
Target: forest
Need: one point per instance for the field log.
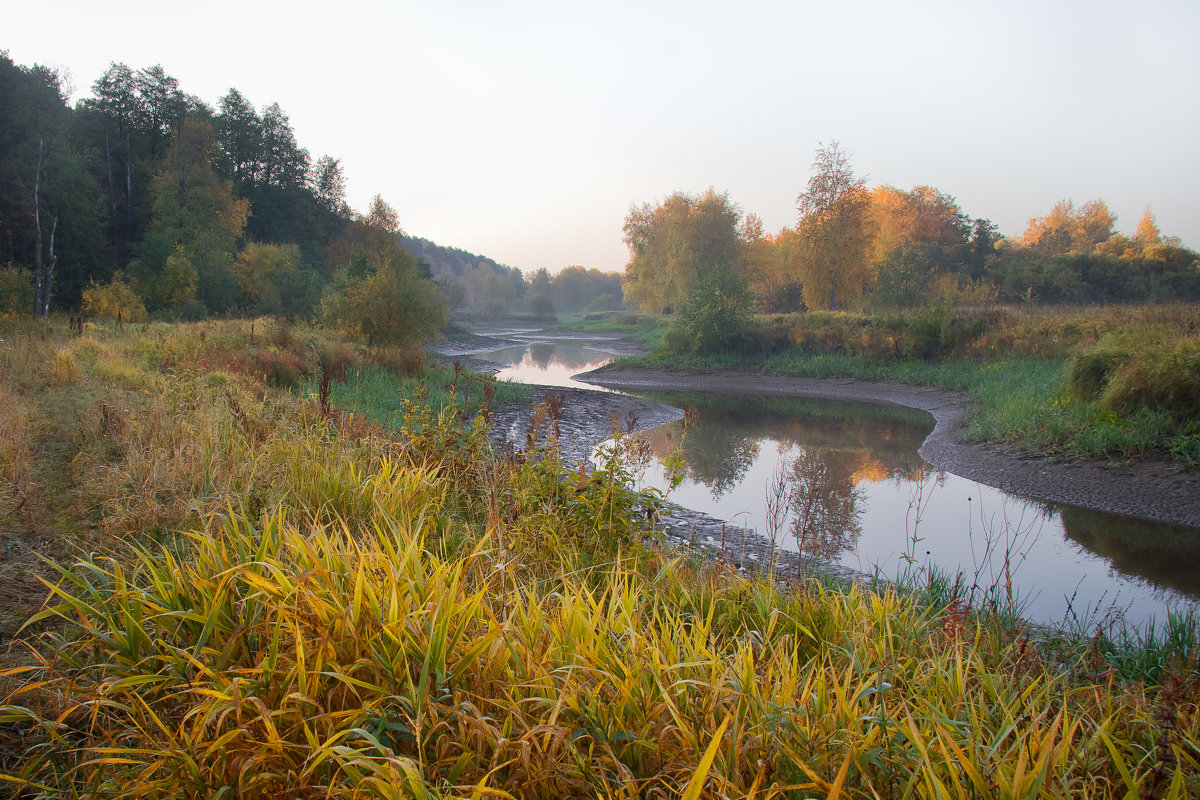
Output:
(144, 201)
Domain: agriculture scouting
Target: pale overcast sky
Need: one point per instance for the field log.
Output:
(525, 130)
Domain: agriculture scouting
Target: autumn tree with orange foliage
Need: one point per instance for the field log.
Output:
(920, 236)
(1068, 230)
(835, 232)
(769, 267)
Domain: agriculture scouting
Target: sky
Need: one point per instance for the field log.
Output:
(525, 131)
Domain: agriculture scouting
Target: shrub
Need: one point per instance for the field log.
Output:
(1164, 378)
(16, 291)
(1090, 369)
(334, 357)
(285, 370)
(541, 306)
(391, 305)
(717, 310)
(113, 300)
(398, 359)
(925, 333)
(193, 310)
(605, 302)
(772, 334)
(678, 341)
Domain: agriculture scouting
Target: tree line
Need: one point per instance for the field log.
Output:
(191, 207)
(143, 200)
(860, 248)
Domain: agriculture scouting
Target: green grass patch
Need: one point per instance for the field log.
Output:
(793, 363)
(645, 329)
(382, 397)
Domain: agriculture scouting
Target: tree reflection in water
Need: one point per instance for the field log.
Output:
(541, 353)
(823, 501)
(1161, 555)
(826, 451)
(721, 462)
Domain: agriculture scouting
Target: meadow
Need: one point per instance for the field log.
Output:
(249, 559)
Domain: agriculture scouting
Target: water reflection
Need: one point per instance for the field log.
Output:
(822, 498)
(548, 363)
(822, 452)
(542, 352)
(720, 463)
(1158, 554)
(843, 482)
(858, 441)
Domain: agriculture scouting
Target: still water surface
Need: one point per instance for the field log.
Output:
(548, 363)
(861, 496)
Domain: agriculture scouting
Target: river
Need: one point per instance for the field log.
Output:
(849, 487)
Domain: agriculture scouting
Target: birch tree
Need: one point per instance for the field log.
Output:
(834, 230)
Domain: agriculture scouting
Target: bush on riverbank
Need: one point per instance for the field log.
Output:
(1125, 373)
(269, 604)
(945, 333)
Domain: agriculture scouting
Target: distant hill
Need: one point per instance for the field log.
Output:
(471, 281)
(477, 283)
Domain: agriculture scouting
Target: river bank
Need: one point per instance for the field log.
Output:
(1146, 490)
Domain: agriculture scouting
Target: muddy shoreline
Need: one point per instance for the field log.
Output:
(1148, 490)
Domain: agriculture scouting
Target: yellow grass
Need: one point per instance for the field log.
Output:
(282, 655)
(279, 607)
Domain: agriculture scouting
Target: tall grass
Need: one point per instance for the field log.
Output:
(16, 456)
(147, 429)
(283, 655)
(290, 607)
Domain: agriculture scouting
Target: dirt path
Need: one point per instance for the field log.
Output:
(1148, 490)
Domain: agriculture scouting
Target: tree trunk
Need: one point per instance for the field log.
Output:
(39, 276)
(113, 230)
(112, 190)
(128, 196)
(50, 265)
